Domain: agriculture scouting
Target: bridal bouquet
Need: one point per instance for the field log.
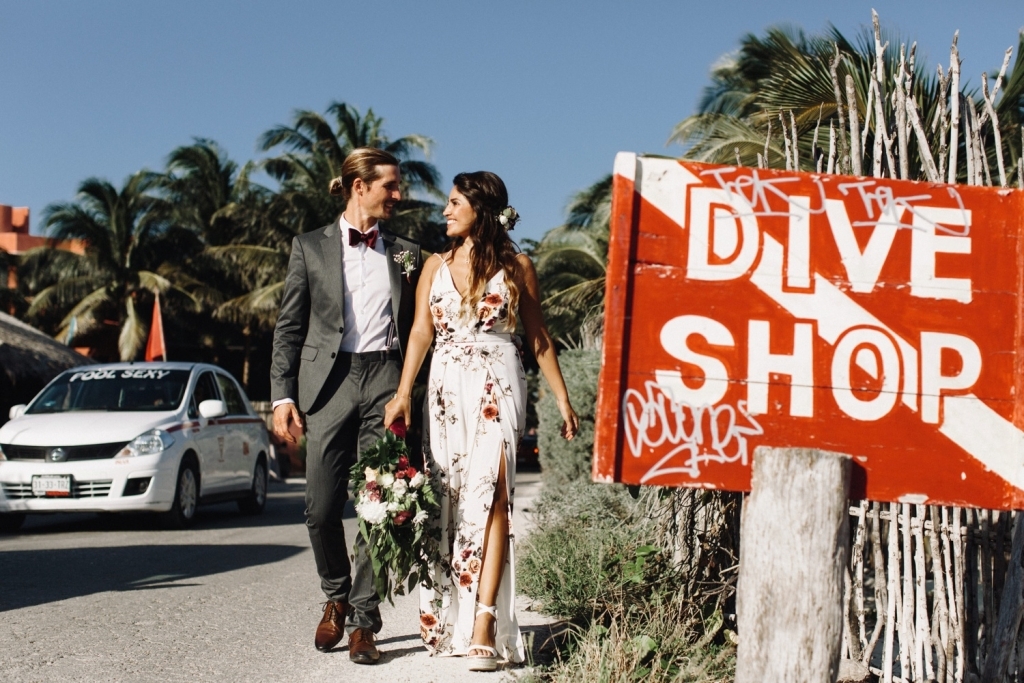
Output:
(393, 503)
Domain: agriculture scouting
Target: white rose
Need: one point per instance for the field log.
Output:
(400, 487)
(417, 480)
(374, 512)
(503, 219)
(394, 507)
(370, 474)
(386, 480)
(420, 517)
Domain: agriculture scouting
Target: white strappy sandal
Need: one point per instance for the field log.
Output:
(488, 662)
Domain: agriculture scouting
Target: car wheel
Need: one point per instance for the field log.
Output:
(10, 522)
(186, 497)
(256, 499)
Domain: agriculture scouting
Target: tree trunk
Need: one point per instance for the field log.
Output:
(793, 547)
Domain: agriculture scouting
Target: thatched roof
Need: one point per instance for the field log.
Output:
(28, 360)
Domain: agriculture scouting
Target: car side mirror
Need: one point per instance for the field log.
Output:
(17, 411)
(211, 408)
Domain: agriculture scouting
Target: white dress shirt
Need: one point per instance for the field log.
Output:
(367, 292)
(367, 297)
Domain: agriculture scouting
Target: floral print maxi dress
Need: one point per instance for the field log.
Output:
(477, 406)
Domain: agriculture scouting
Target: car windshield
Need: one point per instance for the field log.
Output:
(142, 389)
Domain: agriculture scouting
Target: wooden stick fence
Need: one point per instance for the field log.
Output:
(924, 589)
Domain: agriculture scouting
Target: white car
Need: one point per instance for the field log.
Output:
(130, 437)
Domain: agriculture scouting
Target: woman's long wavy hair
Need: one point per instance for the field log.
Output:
(493, 249)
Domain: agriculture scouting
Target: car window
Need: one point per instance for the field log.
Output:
(206, 390)
(232, 396)
(129, 389)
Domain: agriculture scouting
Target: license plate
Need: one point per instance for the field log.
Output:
(52, 485)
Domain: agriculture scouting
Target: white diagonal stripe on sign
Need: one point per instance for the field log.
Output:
(833, 311)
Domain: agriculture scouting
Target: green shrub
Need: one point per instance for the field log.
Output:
(563, 461)
(591, 555)
(652, 645)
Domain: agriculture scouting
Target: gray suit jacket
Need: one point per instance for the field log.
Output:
(312, 320)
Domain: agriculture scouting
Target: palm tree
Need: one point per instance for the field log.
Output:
(200, 181)
(314, 153)
(128, 240)
(571, 261)
(787, 74)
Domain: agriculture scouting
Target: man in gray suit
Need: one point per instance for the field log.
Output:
(345, 317)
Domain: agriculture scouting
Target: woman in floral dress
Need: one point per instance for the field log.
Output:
(468, 302)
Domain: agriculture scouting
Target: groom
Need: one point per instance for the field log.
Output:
(345, 317)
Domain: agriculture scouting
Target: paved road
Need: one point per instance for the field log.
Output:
(91, 598)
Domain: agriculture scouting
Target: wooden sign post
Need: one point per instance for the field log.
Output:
(796, 313)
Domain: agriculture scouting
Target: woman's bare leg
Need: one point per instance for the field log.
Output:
(493, 561)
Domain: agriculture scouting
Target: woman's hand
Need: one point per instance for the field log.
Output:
(399, 407)
(570, 422)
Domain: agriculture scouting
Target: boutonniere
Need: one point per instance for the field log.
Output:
(408, 262)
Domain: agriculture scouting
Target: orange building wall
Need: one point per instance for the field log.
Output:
(15, 237)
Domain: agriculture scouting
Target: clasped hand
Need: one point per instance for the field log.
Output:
(398, 408)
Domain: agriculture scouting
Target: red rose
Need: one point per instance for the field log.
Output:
(398, 428)
(465, 580)
(490, 411)
(403, 462)
(411, 472)
(493, 299)
(466, 552)
(428, 620)
(371, 486)
(399, 474)
(402, 517)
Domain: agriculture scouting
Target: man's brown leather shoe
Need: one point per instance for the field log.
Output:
(332, 626)
(361, 649)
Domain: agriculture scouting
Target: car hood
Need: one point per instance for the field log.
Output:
(81, 428)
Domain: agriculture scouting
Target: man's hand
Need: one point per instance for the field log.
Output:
(287, 423)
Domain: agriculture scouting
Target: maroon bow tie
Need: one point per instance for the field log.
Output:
(355, 237)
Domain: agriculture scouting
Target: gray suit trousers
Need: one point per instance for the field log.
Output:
(345, 420)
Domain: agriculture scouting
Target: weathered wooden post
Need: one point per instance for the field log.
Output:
(793, 543)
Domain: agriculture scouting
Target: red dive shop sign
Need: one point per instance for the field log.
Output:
(877, 318)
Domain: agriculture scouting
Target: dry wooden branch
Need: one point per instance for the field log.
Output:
(843, 152)
(796, 141)
(942, 120)
(991, 111)
(851, 103)
(954, 108)
(831, 149)
(902, 138)
(892, 590)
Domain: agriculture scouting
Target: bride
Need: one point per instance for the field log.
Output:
(468, 302)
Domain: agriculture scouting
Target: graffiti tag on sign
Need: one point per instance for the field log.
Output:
(878, 318)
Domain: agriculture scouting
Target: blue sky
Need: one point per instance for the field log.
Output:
(543, 93)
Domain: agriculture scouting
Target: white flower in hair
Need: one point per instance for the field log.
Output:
(508, 217)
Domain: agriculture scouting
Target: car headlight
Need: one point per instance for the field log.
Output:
(152, 442)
